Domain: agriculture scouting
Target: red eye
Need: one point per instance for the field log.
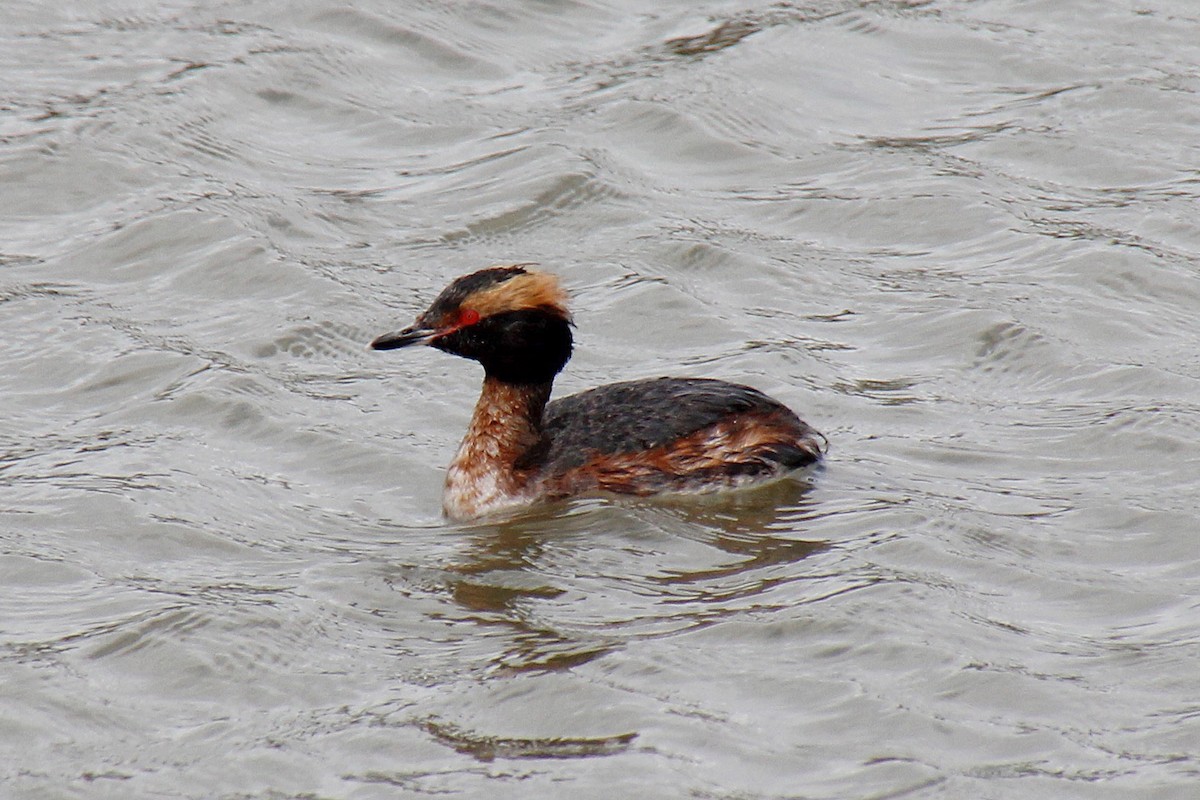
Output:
(468, 316)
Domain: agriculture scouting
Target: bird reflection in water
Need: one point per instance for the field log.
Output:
(642, 555)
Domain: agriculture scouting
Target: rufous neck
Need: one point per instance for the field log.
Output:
(508, 417)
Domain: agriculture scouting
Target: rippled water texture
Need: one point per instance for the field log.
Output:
(959, 237)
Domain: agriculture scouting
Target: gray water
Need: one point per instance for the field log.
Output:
(958, 237)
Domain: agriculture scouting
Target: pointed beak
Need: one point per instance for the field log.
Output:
(414, 334)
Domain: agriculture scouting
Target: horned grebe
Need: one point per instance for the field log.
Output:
(638, 437)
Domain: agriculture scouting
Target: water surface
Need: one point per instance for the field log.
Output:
(959, 237)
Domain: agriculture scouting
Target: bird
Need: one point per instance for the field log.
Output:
(638, 437)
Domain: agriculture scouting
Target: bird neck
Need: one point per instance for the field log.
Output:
(508, 417)
(492, 465)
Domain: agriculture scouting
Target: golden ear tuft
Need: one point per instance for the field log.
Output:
(520, 293)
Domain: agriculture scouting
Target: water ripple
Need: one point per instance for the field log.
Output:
(958, 237)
